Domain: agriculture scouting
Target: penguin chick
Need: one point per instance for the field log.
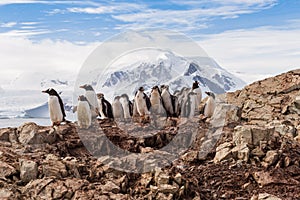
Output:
(210, 105)
(56, 107)
(84, 114)
(105, 108)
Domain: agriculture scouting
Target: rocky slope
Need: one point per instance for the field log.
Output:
(250, 149)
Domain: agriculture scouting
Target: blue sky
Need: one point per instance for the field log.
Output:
(250, 29)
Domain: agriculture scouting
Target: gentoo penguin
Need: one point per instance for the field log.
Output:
(56, 107)
(210, 105)
(170, 102)
(156, 101)
(127, 106)
(92, 99)
(189, 107)
(117, 108)
(84, 113)
(198, 97)
(105, 108)
(142, 102)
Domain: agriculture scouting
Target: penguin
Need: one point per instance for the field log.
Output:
(189, 107)
(127, 106)
(56, 107)
(105, 108)
(156, 101)
(142, 102)
(117, 108)
(170, 102)
(84, 113)
(91, 96)
(210, 105)
(198, 97)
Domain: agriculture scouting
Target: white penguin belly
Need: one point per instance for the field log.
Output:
(92, 98)
(125, 106)
(141, 104)
(118, 110)
(84, 115)
(54, 109)
(209, 107)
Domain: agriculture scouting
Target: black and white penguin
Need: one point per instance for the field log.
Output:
(105, 108)
(84, 113)
(142, 102)
(56, 107)
(127, 106)
(91, 96)
(156, 101)
(198, 97)
(170, 102)
(117, 108)
(210, 105)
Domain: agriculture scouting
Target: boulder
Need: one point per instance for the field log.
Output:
(52, 166)
(166, 188)
(271, 158)
(110, 187)
(242, 135)
(241, 152)
(30, 133)
(223, 152)
(6, 170)
(225, 114)
(4, 134)
(261, 134)
(28, 170)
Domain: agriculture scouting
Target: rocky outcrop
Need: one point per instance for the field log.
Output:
(249, 149)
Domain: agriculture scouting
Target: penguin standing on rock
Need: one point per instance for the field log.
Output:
(142, 102)
(156, 101)
(210, 105)
(84, 114)
(198, 94)
(189, 106)
(127, 106)
(105, 108)
(117, 107)
(91, 96)
(56, 107)
(170, 102)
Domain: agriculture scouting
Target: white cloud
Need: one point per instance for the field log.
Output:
(19, 55)
(260, 51)
(8, 24)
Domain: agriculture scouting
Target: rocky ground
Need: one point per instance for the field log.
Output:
(250, 149)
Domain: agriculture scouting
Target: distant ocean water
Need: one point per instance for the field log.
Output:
(16, 122)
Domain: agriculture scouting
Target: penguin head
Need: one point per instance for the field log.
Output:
(100, 96)
(141, 89)
(125, 96)
(82, 98)
(156, 89)
(87, 87)
(51, 92)
(117, 98)
(195, 85)
(210, 94)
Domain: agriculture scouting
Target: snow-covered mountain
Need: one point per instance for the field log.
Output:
(164, 67)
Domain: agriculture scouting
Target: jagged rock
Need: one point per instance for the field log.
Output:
(34, 188)
(164, 196)
(178, 178)
(241, 152)
(30, 133)
(166, 188)
(261, 134)
(110, 187)
(225, 114)
(6, 170)
(54, 167)
(258, 152)
(271, 158)
(8, 194)
(242, 134)
(223, 152)
(266, 196)
(4, 134)
(28, 170)
(263, 178)
(146, 179)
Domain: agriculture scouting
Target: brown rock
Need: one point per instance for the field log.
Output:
(28, 170)
(241, 152)
(223, 152)
(6, 170)
(266, 196)
(271, 158)
(242, 134)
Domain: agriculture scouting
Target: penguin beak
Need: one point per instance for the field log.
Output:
(44, 91)
(82, 86)
(207, 93)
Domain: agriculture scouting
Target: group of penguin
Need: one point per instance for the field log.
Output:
(183, 103)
